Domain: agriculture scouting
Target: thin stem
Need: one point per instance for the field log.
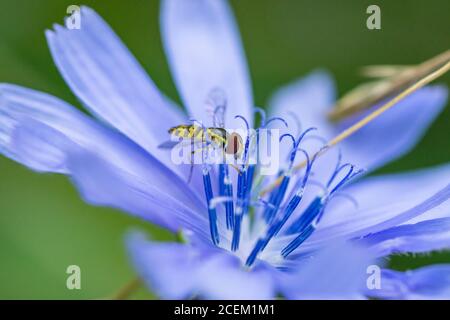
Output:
(369, 118)
(127, 290)
(361, 97)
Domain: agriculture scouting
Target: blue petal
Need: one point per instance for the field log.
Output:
(431, 282)
(336, 272)
(205, 53)
(397, 131)
(385, 139)
(18, 103)
(377, 221)
(110, 82)
(305, 102)
(37, 146)
(180, 271)
(101, 183)
(420, 237)
(387, 201)
(41, 132)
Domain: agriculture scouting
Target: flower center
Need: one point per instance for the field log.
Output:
(275, 215)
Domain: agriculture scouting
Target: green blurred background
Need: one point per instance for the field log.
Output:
(44, 226)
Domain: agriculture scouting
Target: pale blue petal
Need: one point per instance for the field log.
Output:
(385, 202)
(377, 220)
(420, 237)
(303, 104)
(397, 131)
(18, 103)
(205, 53)
(37, 147)
(385, 139)
(167, 268)
(101, 183)
(390, 193)
(230, 281)
(156, 195)
(41, 132)
(205, 272)
(307, 100)
(110, 82)
(180, 271)
(426, 283)
(337, 272)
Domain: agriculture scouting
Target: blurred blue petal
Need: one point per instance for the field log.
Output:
(391, 192)
(42, 133)
(18, 103)
(173, 207)
(180, 271)
(388, 200)
(397, 131)
(204, 50)
(337, 272)
(38, 147)
(305, 102)
(389, 137)
(431, 282)
(110, 82)
(155, 194)
(420, 237)
(384, 219)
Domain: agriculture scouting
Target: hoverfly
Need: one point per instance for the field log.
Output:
(202, 138)
(230, 143)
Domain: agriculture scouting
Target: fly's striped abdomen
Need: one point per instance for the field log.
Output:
(188, 132)
(217, 136)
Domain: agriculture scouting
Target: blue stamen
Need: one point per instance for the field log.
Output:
(277, 225)
(273, 119)
(296, 120)
(297, 143)
(211, 209)
(336, 169)
(273, 229)
(250, 174)
(343, 180)
(289, 136)
(209, 193)
(262, 114)
(276, 197)
(226, 190)
(307, 223)
(349, 176)
(240, 206)
(221, 179)
(247, 140)
(242, 187)
(347, 179)
(294, 244)
(307, 217)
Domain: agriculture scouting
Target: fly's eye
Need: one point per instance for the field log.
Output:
(234, 144)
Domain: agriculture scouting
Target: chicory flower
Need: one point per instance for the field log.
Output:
(313, 236)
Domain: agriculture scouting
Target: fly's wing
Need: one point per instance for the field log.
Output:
(176, 139)
(182, 143)
(218, 135)
(216, 107)
(169, 144)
